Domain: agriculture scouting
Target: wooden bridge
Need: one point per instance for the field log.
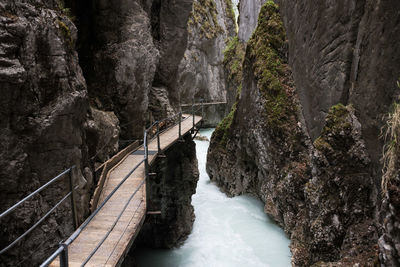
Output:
(119, 203)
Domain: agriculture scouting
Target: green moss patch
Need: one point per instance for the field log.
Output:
(233, 59)
(336, 120)
(270, 69)
(223, 130)
(336, 124)
(230, 11)
(204, 15)
(66, 33)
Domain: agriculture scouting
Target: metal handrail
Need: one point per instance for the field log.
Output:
(37, 223)
(69, 194)
(35, 192)
(64, 246)
(62, 251)
(112, 227)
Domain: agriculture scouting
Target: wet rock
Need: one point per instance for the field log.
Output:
(170, 192)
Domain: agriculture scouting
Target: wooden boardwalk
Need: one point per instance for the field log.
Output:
(117, 244)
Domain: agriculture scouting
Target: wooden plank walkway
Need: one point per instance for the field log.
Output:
(113, 250)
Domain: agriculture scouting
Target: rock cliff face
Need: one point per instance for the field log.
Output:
(248, 17)
(201, 73)
(314, 162)
(355, 61)
(171, 193)
(76, 77)
(42, 132)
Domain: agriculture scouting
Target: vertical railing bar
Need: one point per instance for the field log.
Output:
(73, 206)
(146, 156)
(180, 125)
(158, 137)
(193, 113)
(202, 112)
(64, 255)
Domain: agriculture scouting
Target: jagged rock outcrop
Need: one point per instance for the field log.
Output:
(119, 60)
(102, 134)
(321, 192)
(43, 110)
(170, 191)
(201, 73)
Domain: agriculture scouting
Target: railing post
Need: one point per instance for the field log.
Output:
(73, 206)
(64, 255)
(158, 137)
(180, 125)
(193, 112)
(202, 112)
(146, 156)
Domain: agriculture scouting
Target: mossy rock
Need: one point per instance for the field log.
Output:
(204, 16)
(337, 129)
(66, 32)
(270, 68)
(233, 59)
(223, 130)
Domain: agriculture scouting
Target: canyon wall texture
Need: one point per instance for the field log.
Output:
(170, 192)
(201, 72)
(303, 134)
(44, 105)
(248, 18)
(78, 79)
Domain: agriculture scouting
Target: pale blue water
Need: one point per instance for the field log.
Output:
(227, 232)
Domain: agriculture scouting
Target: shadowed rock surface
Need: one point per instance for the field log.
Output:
(55, 115)
(171, 193)
(43, 110)
(323, 189)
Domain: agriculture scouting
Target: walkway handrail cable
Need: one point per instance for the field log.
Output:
(53, 180)
(64, 246)
(146, 161)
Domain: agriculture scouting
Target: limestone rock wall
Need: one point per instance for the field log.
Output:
(350, 58)
(356, 61)
(201, 73)
(170, 192)
(78, 79)
(248, 17)
(42, 113)
(321, 187)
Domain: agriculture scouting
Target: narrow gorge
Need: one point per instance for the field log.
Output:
(303, 96)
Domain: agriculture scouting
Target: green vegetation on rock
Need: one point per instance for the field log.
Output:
(271, 73)
(270, 69)
(65, 11)
(391, 151)
(66, 33)
(230, 11)
(233, 59)
(336, 122)
(204, 15)
(223, 130)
